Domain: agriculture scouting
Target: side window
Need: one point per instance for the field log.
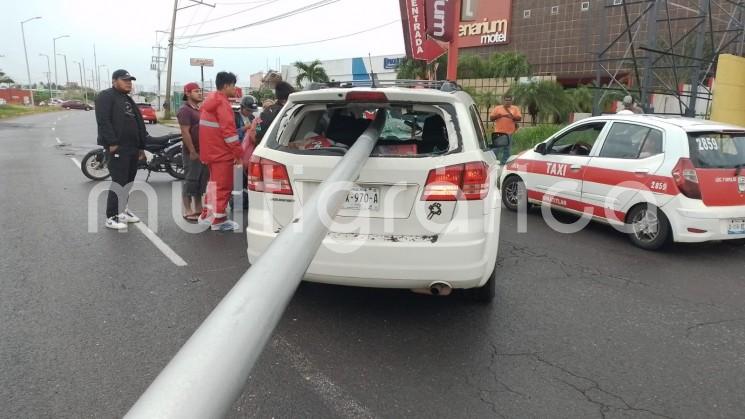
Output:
(478, 127)
(629, 141)
(578, 141)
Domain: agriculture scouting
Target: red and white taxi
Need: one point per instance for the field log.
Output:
(660, 179)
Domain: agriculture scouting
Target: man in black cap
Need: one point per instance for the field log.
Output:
(121, 131)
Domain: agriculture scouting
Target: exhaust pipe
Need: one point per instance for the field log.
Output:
(438, 288)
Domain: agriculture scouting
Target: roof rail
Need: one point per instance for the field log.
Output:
(444, 85)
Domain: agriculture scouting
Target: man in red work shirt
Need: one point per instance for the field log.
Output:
(220, 150)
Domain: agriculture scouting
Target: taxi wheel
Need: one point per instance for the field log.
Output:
(513, 190)
(648, 226)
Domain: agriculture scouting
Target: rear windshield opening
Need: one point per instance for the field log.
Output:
(409, 131)
(717, 149)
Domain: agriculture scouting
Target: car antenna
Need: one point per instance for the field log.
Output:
(373, 77)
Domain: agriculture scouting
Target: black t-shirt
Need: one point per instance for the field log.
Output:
(130, 128)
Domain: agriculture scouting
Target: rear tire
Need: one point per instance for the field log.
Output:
(486, 292)
(175, 166)
(649, 227)
(513, 191)
(95, 165)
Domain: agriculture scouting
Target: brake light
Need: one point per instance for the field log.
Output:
(469, 181)
(265, 175)
(366, 97)
(684, 174)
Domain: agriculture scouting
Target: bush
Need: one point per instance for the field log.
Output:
(527, 138)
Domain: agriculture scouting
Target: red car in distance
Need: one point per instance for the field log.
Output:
(148, 113)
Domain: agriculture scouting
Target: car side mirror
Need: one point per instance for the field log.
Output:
(541, 148)
(502, 141)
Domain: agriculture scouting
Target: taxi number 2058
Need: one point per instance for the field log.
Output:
(658, 186)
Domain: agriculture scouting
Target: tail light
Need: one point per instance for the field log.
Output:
(469, 181)
(366, 97)
(684, 174)
(268, 176)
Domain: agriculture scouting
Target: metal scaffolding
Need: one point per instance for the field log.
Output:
(665, 47)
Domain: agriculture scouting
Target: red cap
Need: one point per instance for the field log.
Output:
(191, 86)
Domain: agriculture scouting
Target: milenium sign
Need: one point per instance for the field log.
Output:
(487, 32)
(484, 22)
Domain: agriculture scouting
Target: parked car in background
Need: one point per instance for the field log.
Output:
(76, 104)
(148, 113)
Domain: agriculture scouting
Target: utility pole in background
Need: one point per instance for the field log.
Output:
(96, 78)
(82, 82)
(170, 49)
(157, 66)
(54, 47)
(25, 53)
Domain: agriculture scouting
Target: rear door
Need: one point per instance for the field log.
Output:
(719, 158)
(627, 162)
(556, 177)
(419, 143)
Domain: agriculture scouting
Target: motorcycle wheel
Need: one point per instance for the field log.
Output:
(175, 165)
(95, 165)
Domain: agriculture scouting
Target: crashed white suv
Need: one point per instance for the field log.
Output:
(424, 212)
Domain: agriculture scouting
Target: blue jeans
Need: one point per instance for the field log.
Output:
(502, 153)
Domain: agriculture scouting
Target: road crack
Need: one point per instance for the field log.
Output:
(696, 326)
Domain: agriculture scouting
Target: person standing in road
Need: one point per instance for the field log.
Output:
(121, 131)
(630, 106)
(220, 151)
(195, 172)
(245, 118)
(505, 117)
(282, 91)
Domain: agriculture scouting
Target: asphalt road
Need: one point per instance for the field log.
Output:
(584, 325)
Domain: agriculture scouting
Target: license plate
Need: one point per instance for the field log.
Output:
(363, 199)
(736, 226)
(741, 183)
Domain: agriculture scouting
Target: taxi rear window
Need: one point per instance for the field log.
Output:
(717, 149)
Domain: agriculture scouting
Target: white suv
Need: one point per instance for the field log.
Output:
(424, 212)
(659, 179)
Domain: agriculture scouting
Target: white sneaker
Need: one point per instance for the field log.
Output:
(114, 223)
(227, 225)
(128, 217)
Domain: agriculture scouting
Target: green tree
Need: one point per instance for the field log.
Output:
(313, 72)
(5, 79)
(411, 69)
(509, 65)
(473, 67)
(543, 99)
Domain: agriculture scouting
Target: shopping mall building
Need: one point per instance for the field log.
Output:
(564, 38)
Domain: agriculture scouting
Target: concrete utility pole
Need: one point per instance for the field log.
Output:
(54, 45)
(96, 76)
(157, 65)
(170, 49)
(25, 53)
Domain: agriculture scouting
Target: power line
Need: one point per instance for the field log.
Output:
(303, 9)
(299, 43)
(263, 3)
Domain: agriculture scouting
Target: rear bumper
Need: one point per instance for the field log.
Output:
(396, 261)
(708, 223)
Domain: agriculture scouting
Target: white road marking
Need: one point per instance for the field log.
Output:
(331, 393)
(161, 245)
(52, 128)
(58, 140)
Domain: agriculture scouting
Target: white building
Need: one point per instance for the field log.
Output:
(353, 69)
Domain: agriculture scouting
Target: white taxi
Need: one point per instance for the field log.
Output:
(424, 212)
(659, 179)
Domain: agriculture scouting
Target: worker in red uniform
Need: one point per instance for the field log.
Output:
(220, 150)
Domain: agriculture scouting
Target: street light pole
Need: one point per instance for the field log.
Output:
(25, 53)
(54, 44)
(82, 83)
(49, 75)
(67, 74)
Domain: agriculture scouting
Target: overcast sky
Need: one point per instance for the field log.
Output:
(124, 33)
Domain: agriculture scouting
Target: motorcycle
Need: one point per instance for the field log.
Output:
(164, 154)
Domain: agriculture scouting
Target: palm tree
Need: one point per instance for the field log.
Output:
(542, 98)
(312, 72)
(473, 67)
(4, 79)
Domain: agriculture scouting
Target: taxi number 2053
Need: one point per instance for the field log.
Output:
(658, 186)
